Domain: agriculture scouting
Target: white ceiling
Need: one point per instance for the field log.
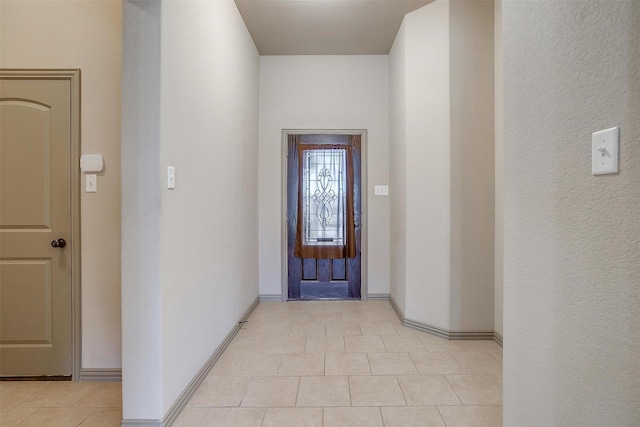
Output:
(325, 27)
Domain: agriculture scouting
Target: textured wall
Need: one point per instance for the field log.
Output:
(64, 34)
(323, 92)
(572, 240)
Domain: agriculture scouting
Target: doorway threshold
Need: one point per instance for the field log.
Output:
(37, 378)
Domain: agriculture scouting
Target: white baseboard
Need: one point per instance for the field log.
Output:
(450, 335)
(270, 297)
(497, 337)
(441, 332)
(396, 308)
(142, 423)
(382, 297)
(101, 375)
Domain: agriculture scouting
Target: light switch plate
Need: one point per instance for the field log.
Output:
(91, 183)
(381, 190)
(604, 151)
(171, 177)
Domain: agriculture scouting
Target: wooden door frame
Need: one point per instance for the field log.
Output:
(73, 76)
(364, 206)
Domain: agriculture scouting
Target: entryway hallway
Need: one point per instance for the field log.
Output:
(346, 363)
(310, 363)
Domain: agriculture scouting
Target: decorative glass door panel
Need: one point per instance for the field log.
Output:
(324, 196)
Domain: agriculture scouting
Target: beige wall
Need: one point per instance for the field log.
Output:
(85, 35)
(499, 169)
(472, 164)
(397, 169)
(572, 239)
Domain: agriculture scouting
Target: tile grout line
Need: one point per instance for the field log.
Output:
(499, 414)
(454, 390)
(324, 367)
(406, 402)
(264, 415)
(245, 392)
(414, 363)
(306, 343)
(442, 416)
(246, 388)
(295, 404)
(93, 410)
(27, 419)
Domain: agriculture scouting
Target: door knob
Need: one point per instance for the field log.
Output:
(59, 243)
(356, 224)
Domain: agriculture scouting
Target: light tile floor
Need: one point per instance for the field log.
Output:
(319, 363)
(346, 363)
(60, 404)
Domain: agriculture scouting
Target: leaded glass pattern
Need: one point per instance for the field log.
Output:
(324, 196)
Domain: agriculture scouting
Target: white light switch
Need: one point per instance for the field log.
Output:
(91, 183)
(171, 177)
(604, 151)
(381, 190)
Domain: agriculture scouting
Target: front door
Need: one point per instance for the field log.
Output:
(35, 210)
(324, 216)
